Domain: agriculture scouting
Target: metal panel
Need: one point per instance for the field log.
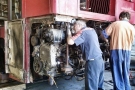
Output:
(27, 76)
(67, 7)
(35, 8)
(45, 7)
(14, 45)
(97, 10)
(1, 32)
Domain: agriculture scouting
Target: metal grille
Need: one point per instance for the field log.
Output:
(99, 6)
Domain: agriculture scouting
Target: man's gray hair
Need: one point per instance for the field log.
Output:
(81, 23)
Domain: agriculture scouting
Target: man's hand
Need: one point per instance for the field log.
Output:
(106, 40)
(69, 33)
(69, 40)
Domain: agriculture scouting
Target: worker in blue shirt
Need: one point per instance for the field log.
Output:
(88, 40)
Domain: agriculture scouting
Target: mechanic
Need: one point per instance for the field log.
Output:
(88, 40)
(121, 38)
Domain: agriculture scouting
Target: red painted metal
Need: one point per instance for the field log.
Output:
(98, 16)
(35, 8)
(12, 76)
(45, 7)
(63, 7)
(39, 8)
(66, 7)
(2, 32)
(125, 5)
(27, 53)
(112, 8)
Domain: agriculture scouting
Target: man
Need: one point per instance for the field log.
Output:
(98, 30)
(88, 40)
(121, 37)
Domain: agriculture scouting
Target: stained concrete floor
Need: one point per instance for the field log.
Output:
(72, 84)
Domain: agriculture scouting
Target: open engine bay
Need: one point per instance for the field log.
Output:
(51, 55)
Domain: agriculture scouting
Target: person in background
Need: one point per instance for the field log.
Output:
(88, 41)
(98, 30)
(121, 34)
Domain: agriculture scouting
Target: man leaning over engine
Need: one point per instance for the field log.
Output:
(88, 40)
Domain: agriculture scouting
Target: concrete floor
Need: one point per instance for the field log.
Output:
(72, 84)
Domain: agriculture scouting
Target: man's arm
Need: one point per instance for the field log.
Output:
(104, 36)
(69, 38)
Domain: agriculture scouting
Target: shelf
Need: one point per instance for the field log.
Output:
(3, 9)
(4, 4)
(3, 18)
